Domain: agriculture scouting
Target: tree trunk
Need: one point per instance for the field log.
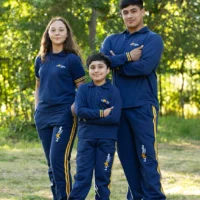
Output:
(92, 30)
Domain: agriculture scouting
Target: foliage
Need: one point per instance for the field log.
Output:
(22, 23)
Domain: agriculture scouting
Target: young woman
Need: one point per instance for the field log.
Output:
(58, 72)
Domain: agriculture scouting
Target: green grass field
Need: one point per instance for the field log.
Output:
(23, 170)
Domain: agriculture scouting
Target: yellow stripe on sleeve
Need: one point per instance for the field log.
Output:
(79, 80)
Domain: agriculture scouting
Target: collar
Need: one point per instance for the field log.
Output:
(105, 85)
(60, 54)
(141, 31)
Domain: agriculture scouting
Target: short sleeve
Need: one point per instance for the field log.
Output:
(77, 70)
(37, 67)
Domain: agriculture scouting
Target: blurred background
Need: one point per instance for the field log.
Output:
(22, 23)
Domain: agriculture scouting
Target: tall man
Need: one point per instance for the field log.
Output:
(135, 55)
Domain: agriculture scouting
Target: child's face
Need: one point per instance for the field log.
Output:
(57, 33)
(98, 72)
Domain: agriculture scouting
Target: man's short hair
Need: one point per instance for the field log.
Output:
(98, 57)
(126, 3)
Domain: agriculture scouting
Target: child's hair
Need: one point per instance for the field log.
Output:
(126, 3)
(98, 57)
(70, 44)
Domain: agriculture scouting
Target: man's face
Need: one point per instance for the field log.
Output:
(133, 17)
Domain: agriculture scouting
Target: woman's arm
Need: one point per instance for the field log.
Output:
(37, 85)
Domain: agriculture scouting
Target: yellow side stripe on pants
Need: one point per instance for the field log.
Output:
(67, 155)
(155, 143)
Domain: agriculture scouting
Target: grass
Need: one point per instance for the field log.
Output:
(23, 168)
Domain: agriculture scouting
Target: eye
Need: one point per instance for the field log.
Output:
(125, 13)
(100, 66)
(92, 67)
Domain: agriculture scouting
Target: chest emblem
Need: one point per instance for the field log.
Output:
(60, 66)
(105, 101)
(134, 44)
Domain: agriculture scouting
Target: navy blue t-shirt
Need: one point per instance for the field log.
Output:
(58, 76)
(90, 102)
(136, 80)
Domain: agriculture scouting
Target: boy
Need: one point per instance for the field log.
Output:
(98, 105)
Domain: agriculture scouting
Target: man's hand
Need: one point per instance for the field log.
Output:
(136, 53)
(107, 111)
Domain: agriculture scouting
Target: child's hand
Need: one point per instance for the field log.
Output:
(107, 111)
(73, 109)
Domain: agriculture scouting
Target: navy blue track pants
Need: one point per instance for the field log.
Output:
(57, 131)
(93, 155)
(137, 150)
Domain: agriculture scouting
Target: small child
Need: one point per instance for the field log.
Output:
(98, 106)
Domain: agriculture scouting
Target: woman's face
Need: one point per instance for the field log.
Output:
(57, 33)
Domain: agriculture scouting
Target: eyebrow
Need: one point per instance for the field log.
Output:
(96, 65)
(133, 9)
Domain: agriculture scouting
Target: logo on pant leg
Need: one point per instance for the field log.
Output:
(144, 154)
(106, 164)
(96, 190)
(59, 133)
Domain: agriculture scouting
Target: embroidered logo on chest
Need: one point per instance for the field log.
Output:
(105, 101)
(134, 44)
(60, 66)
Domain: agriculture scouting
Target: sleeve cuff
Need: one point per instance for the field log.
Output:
(128, 56)
(101, 114)
(80, 79)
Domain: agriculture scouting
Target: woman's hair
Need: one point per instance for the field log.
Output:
(70, 44)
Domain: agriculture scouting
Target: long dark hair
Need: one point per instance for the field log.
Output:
(70, 44)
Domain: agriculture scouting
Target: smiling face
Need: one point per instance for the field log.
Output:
(57, 33)
(133, 17)
(98, 72)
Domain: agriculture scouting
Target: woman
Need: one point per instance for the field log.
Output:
(59, 72)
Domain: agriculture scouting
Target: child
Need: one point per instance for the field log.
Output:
(59, 72)
(98, 105)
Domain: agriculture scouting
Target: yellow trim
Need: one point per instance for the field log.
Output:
(80, 79)
(128, 56)
(67, 155)
(101, 113)
(37, 78)
(155, 144)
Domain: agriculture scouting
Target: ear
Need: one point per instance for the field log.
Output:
(143, 12)
(108, 70)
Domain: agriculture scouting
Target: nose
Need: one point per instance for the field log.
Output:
(129, 15)
(96, 69)
(56, 32)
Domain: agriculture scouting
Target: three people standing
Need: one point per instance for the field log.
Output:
(135, 55)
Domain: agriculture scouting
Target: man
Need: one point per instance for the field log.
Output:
(135, 55)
